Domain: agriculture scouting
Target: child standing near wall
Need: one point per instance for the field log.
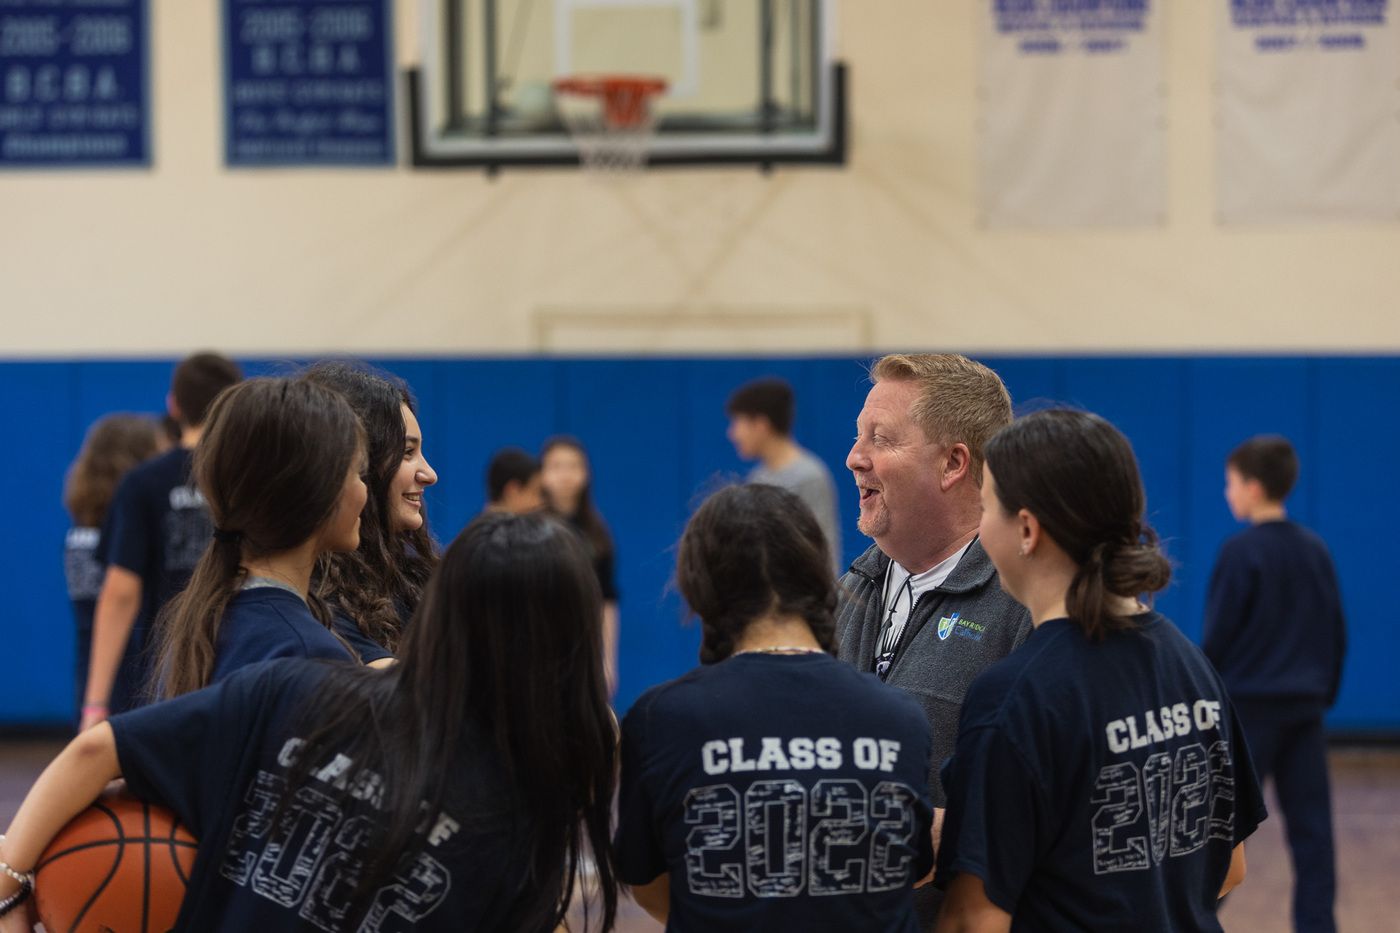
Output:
(114, 445)
(1274, 629)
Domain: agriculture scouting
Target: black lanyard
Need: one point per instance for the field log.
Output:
(889, 636)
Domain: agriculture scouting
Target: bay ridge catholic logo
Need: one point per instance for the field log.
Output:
(946, 626)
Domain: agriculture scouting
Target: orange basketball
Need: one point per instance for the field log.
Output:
(120, 866)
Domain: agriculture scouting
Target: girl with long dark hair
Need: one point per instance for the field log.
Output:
(1101, 780)
(281, 464)
(114, 444)
(773, 787)
(456, 790)
(373, 590)
(567, 478)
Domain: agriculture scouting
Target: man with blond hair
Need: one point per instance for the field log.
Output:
(923, 608)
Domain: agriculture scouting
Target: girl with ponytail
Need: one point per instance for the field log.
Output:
(281, 465)
(462, 788)
(1100, 780)
(769, 725)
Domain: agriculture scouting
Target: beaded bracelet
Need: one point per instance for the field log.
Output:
(23, 877)
(26, 887)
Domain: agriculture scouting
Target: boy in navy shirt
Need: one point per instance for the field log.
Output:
(155, 531)
(1274, 629)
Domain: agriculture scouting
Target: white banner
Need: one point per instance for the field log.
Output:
(1309, 111)
(1073, 128)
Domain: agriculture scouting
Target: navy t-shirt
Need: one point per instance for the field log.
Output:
(83, 573)
(219, 758)
(781, 792)
(367, 648)
(157, 527)
(266, 622)
(1100, 785)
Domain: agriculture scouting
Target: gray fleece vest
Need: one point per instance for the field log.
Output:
(956, 631)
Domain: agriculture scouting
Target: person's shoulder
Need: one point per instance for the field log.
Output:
(811, 463)
(668, 699)
(676, 690)
(274, 609)
(1303, 535)
(1165, 633)
(144, 478)
(276, 682)
(869, 566)
(1048, 655)
(162, 469)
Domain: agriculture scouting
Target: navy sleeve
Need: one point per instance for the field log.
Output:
(995, 824)
(367, 648)
(127, 531)
(1249, 796)
(182, 752)
(1227, 603)
(637, 845)
(1339, 633)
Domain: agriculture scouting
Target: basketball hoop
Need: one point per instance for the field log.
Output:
(610, 117)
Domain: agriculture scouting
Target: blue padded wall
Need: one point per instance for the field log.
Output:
(655, 429)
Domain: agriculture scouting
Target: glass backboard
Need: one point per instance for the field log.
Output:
(748, 81)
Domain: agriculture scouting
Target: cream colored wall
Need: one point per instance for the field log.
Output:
(394, 261)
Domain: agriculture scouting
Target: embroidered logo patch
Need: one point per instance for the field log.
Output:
(964, 627)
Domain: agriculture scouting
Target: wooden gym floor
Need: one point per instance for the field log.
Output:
(1366, 803)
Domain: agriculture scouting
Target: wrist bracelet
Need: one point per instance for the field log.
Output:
(87, 707)
(23, 877)
(26, 888)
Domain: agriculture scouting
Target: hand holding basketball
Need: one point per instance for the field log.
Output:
(120, 865)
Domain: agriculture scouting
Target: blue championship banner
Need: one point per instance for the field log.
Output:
(1073, 113)
(308, 82)
(74, 83)
(1309, 111)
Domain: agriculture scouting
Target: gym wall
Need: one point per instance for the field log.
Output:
(655, 429)
(466, 280)
(394, 261)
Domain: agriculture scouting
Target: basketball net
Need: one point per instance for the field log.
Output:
(611, 119)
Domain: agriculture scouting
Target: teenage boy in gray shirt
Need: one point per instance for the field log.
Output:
(760, 428)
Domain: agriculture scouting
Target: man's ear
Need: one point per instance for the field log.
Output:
(957, 462)
(173, 407)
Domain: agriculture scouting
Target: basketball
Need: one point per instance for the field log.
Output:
(120, 866)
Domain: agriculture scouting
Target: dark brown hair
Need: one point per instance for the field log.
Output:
(385, 575)
(272, 464)
(197, 381)
(509, 464)
(770, 398)
(506, 645)
(1077, 475)
(114, 444)
(751, 551)
(586, 517)
(1270, 459)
